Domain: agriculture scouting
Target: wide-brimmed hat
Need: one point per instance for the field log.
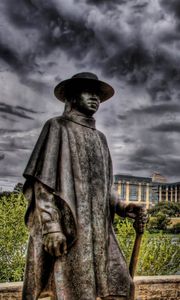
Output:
(83, 80)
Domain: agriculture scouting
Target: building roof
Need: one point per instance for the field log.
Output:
(140, 179)
(127, 177)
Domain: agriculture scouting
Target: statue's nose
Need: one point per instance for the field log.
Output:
(94, 98)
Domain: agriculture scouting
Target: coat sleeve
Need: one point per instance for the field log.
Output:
(48, 213)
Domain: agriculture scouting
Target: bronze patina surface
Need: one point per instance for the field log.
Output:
(73, 252)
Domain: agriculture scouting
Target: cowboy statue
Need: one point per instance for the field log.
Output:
(73, 252)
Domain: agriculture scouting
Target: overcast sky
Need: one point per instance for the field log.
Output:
(132, 44)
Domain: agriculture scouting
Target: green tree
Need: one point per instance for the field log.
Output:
(13, 237)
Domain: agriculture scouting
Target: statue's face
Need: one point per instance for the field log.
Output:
(88, 102)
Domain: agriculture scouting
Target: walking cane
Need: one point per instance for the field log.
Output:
(135, 252)
(59, 268)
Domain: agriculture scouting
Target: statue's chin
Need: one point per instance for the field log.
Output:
(88, 112)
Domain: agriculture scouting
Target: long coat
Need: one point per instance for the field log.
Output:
(71, 158)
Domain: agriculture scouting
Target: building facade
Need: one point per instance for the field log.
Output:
(146, 191)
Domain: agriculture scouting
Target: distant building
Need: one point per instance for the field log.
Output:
(146, 191)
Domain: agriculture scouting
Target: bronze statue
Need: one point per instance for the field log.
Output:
(73, 252)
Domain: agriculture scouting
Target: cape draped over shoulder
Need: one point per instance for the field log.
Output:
(51, 164)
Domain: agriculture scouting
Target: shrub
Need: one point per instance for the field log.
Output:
(170, 209)
(159, 222)
(159, 254)
(125, 235)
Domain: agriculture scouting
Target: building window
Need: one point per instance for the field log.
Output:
(123, 192)
(143, 193)
(133, 195)
(163, 193)
(155, 194)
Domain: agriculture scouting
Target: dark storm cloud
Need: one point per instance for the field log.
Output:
(4, 130)
(104, 2)
(167, 127)
(136, 56)
(117, 43)
(2, 156)
(160, 163)
(157, 109)
(15, 110)
(144, 156)
(143, 152)
(54, 30)
(35, 85)
(57, 28)
(172, 6)
(128, 140)
(9, 56)
(153, 159)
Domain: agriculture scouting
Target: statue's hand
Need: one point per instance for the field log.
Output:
(138, 213)
(55, 243)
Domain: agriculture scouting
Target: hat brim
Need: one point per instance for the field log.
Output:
(105, 91)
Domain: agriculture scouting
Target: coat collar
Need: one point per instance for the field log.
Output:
(79, 118)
